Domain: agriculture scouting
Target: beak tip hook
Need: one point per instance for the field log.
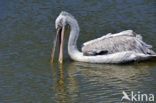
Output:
(60, 62)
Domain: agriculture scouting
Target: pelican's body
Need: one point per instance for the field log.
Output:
(119, 42)
(112, 48)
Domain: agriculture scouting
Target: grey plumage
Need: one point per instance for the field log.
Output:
(121, 47)
(113, 43)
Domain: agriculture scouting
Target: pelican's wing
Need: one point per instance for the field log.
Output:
(113, 43)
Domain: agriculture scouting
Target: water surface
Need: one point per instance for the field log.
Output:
(26, 33)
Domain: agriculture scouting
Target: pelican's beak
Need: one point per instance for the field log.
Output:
(60, 32)
(60, 60)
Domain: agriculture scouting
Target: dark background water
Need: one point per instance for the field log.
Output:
(26, 32)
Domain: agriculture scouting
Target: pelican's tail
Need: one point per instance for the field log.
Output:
(152, 57)
(151, 52)
(145, 57)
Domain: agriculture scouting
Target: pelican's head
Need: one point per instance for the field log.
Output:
(63, 19)
(61, 22)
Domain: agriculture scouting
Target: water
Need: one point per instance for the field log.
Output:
(26, 33)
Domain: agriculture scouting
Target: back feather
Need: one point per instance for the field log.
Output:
(113, 43)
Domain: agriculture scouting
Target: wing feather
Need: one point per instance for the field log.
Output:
(112, 43)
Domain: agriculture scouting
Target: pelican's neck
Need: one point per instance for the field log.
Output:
(72, 42)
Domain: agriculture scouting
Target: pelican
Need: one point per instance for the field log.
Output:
(122, 47)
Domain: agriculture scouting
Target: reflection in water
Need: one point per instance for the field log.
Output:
(65, 91)
(101, 82)
(59, 85)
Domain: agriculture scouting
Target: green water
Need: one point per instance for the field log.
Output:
(26, 32)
